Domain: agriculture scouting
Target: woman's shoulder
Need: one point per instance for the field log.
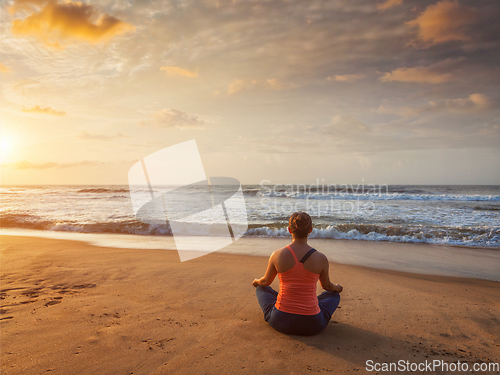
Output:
(284, 251)
(282, 255)
(280, 251)
(319, 255)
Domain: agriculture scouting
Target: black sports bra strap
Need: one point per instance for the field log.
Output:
(304, 258)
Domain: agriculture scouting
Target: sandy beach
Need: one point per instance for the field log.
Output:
(72, 308)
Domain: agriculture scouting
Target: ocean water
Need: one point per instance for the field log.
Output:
(453, 215)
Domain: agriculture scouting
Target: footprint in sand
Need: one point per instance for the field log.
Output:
(83, 286)
(32, 293)
(25, 302)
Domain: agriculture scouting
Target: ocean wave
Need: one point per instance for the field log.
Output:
(11, 190)
(397, 232)
(486, 208)
(370, 232)
(128, 226)
(103, 190)
(380, 197)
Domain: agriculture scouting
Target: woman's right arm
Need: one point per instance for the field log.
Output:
(271, 273)
(324, 277)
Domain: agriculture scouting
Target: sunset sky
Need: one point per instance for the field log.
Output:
(289, 91)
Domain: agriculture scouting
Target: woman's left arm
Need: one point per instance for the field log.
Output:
(271, 273)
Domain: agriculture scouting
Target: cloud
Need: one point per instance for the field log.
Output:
(4, 69)
(400, 111)
(345, 77)
(419, 74)
(351, 135)
(491, 128)
(176, 71)
(346, 129)
(347, 124)
(57, 24)
(247, 84)
(173, 118)
(99, 137)
(24, 164)
(433, 74)
(443, 22)
(46, 111)
(473, 103)
(388, 4)
(27, 165)
(241, 84)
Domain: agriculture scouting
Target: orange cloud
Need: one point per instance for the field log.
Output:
(443, 22)
(474, 103)
(176, 71)
(24, 164)
(345, 77)
(241, 84)
(246, 84)
(99, 137)
(46, 111)
(389, 4)
(59, 23)
(419, 74)
(4, 69)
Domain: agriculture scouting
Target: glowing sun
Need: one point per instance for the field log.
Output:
(7, 147)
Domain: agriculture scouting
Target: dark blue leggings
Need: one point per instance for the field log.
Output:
(295, 324)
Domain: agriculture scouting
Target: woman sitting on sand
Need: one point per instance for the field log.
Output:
(296, 309)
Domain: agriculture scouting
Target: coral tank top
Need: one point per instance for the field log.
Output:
(298, 290)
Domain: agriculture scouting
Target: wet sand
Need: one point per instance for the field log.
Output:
(68, 307)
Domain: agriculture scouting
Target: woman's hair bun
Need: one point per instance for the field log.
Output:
(300, 223)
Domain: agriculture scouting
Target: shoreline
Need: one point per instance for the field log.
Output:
(414, 258)
(58, 233)
(173, 253)
(71, 307)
